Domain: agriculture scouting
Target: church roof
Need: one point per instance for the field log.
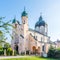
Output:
(37, 32)
(18, 22)
(14, 21)
(39, 23)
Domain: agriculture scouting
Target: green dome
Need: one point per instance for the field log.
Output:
(39, 23)
(24, 13)
(14, 20)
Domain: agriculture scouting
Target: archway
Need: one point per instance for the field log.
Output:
(34, 49)
(16, 48)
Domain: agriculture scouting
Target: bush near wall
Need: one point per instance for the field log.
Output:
(57, 53)
(54, 53)
(15, 53)
(1, 51)
(9, 51)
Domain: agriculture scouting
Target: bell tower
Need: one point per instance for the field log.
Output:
(24, 18)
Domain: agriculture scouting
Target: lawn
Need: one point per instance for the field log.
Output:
(31, 58)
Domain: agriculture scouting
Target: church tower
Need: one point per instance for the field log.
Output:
(24, 18)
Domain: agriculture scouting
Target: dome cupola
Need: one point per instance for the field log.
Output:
(14, 20)
(24, 13)
(41, 22)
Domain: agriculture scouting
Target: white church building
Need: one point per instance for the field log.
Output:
(29, 41)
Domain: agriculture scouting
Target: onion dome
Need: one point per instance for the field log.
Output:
(39, 23)
(14, 20)
(24, 13)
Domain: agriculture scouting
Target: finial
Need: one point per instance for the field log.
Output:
(14, 20)
(15, 17)
(40, 13)
(40, 18)
(24, 8)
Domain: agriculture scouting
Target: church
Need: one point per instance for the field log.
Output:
(29, 41)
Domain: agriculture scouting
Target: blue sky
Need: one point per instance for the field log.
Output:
(50, 11)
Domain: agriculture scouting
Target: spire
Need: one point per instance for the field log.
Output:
(40, 18)
(40, 13)
(14, 20)
(15, 17)
(24, 8)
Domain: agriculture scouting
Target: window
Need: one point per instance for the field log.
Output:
(24, 22)
(41, 39)
(43, 48)
(37, 28)
(42, 29)
(35, 37)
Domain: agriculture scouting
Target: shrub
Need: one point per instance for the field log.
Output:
(1, 52)
(22, 53)
(9, 51)
(15, 53)
(57, 53)
(1, 48)
(53, 53)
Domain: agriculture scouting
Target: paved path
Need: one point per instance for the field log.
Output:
(7, 57)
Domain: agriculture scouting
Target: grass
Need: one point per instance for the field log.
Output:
(31, 58)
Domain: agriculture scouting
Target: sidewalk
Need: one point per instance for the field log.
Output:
(7, 57)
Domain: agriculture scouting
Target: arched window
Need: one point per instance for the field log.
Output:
(37, 29)
(24, 22)
(42, 29)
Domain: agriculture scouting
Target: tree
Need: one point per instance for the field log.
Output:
(7, 45)
(9, 51)
(57, 53)
(4, 29)
(2, 38)
(54, 52)
(51, 52)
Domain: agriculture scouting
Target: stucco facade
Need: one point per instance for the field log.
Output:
(29, 41)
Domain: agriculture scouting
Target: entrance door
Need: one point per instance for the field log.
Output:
(16, 48)
(27, 52)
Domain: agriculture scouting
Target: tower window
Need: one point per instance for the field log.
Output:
(24, 22)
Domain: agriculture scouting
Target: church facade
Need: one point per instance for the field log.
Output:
(29, 41)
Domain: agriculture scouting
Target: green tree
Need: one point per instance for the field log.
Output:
(9, 51)
(51, 52)
(57, 53)
(7, 45)
(54, 52)
(5, 28)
